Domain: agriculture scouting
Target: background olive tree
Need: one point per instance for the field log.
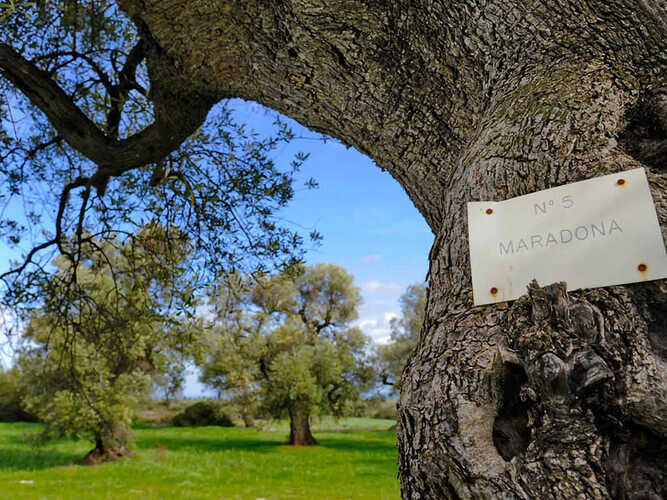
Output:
(12, 408)
(91, 348)
(213, 184)
(285, 341)
(393, 356)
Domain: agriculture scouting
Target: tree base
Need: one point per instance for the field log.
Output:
(248, 421)
(300, 434)
(311, 441)
(99, 456)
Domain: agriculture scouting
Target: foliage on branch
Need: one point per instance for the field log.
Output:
(285, 340)
(91, 348)
(11, 405)
(203, 413)
(97, 141)
(392, 357)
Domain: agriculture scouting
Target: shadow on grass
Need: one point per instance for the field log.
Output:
(13, 459)
(208, 444)
(18, 455)
(352, 445)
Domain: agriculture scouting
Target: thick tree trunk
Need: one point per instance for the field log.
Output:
(553, 395)
(248, 420)
(111, 443)
(299, 427)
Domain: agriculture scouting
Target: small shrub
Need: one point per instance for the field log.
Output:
(376, 407)
(384, 409)
(203, 413)
(158, 411)
(11, 407)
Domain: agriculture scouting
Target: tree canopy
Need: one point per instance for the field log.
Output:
(89, 351)
(285, 341)
(94, 144)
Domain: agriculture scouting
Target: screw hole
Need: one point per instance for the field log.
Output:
(620, 182)
(642, 267)
(494, 291)
(489, 211)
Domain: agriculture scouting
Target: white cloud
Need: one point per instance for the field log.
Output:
(388, 316)
(378, 309)
(376, 325)
(379, 288)
(10, 327)
(382, 340)
(367, 324)
(374, 257)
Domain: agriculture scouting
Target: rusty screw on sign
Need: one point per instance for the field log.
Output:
(620, 182)
(494, 291)
(642, 268)
(489, 211)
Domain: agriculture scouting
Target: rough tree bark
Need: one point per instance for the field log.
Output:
(248, 419)
(299, 427)
(555, 395)
(111, 443)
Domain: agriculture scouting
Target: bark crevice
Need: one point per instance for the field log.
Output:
(585, 415)
(511, 433)
(645, 135)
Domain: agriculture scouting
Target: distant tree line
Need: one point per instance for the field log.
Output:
(278, 344)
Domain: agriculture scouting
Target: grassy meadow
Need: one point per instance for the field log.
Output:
(356, 459)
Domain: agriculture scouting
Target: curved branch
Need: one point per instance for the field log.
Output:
(64, 198)
(177, 116)
(28, 259)
(126, 82)
(104, 78)
(57, 239)
(58, 107)
(44, 145)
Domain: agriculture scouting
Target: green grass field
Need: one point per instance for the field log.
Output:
(354, 460)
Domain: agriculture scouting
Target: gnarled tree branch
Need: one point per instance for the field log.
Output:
(186, 112)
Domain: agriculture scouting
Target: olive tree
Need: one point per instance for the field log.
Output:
(229, 364)
(213, 178)
(286, 341)
(91, 348)
(460, 100)
(393, 356)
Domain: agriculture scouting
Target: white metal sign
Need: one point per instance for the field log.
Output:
(594, 233)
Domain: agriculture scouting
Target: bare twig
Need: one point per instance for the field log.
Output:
(28, 259)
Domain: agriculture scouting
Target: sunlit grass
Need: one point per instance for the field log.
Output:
(209, 462)
(324, 424)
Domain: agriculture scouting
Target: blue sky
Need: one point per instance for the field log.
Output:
(368, 223)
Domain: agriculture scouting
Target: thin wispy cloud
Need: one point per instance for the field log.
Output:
(367, 324)
(378, 288)
(374, 257)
